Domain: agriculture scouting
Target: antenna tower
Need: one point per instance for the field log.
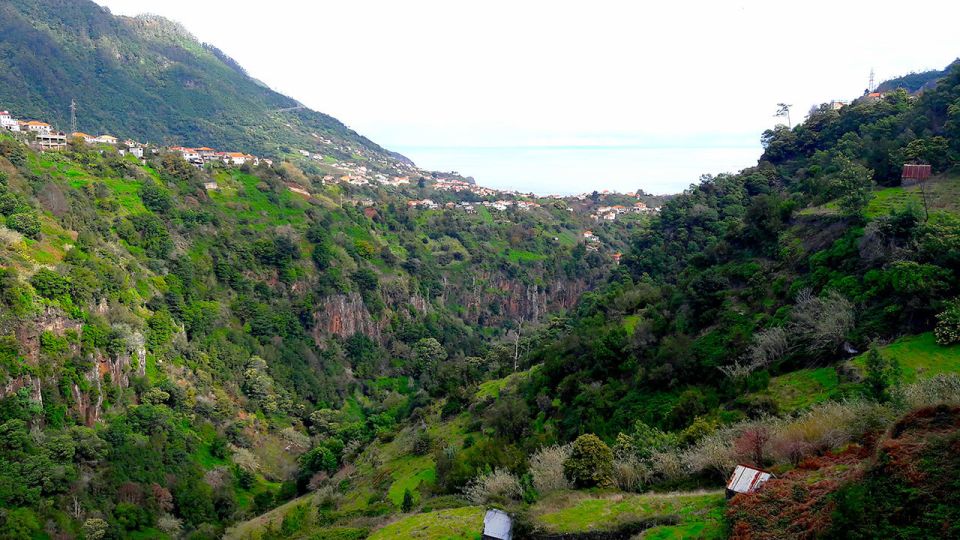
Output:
(871, 86)
(73, 116)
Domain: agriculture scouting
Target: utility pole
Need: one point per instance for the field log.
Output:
(73, 116)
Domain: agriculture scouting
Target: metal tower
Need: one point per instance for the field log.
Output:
(871, 86)
(73, 116)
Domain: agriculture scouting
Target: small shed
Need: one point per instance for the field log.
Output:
(914, 174)
(497, 526)
(746, 479)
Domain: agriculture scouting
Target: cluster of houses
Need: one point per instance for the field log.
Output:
(471, 207)
(199, 157)
(610, 213)
(458, 186)
(45, 137)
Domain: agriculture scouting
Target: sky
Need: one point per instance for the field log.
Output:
(558, 96)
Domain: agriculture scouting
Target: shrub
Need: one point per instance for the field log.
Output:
(947, 330)
(50, 284)
(546, 468)
(497, 486)
(821, 323)
(631, 474)
(27, 224)
(155, 197)
(590, 462)
(421, 443)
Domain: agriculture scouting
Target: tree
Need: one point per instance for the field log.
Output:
(50, 284)
(947, 330)
(95, 529)
(783, 110)
(856, 184)
(407, 504)
(155, 197)
(590, 463)
(19, 523)
(428, 352)
(882, 374)
(26, 223)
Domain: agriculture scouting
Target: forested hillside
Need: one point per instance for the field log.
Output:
(264, 352)
(146, 78)
(164, 325)
(799, 316)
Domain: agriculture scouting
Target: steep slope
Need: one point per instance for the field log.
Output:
(147, 78)
(915, 82)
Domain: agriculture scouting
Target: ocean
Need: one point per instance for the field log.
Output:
(566, 170)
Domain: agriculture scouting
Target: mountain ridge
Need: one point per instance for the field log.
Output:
(154, 81)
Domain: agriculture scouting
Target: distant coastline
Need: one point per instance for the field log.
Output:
(569, 169)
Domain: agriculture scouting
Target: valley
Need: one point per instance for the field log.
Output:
(312, 338)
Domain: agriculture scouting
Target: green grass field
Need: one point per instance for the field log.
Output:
(942, 194)
(699, 513)
(453, 524)
(920, 357)
(803, 388)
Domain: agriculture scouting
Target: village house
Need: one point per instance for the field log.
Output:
(51, 140)
(35, 126)
(189, 154)
(207, 154)
(81, 135)
(8, 122)
(107, 139)
(235, 158)
(425, 203)
(137, 151)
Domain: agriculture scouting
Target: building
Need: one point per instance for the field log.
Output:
(207, 154)
(137, 151)
(239, 158)
(81, 135)
(497, 525)
(189, 154)
(35, 126)
(914, 174)
(107, 139)
(746, 479)
(52, 140)
(8, 122)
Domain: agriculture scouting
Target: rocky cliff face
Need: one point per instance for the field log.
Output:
(344, 315)
(87, 398)
(486, 300)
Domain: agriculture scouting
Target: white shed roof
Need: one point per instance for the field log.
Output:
(747, 479)
(496, 524)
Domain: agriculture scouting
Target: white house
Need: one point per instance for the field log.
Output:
(189, 154)
(106, 139)
(236, 158)
(35, 126)
(8, 122)
(137, 151)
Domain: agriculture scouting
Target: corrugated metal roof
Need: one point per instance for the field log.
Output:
(497, 524)
(747, 479)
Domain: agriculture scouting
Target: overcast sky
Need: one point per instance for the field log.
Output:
(416, 75)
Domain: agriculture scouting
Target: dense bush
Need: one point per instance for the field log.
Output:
(590, 462)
